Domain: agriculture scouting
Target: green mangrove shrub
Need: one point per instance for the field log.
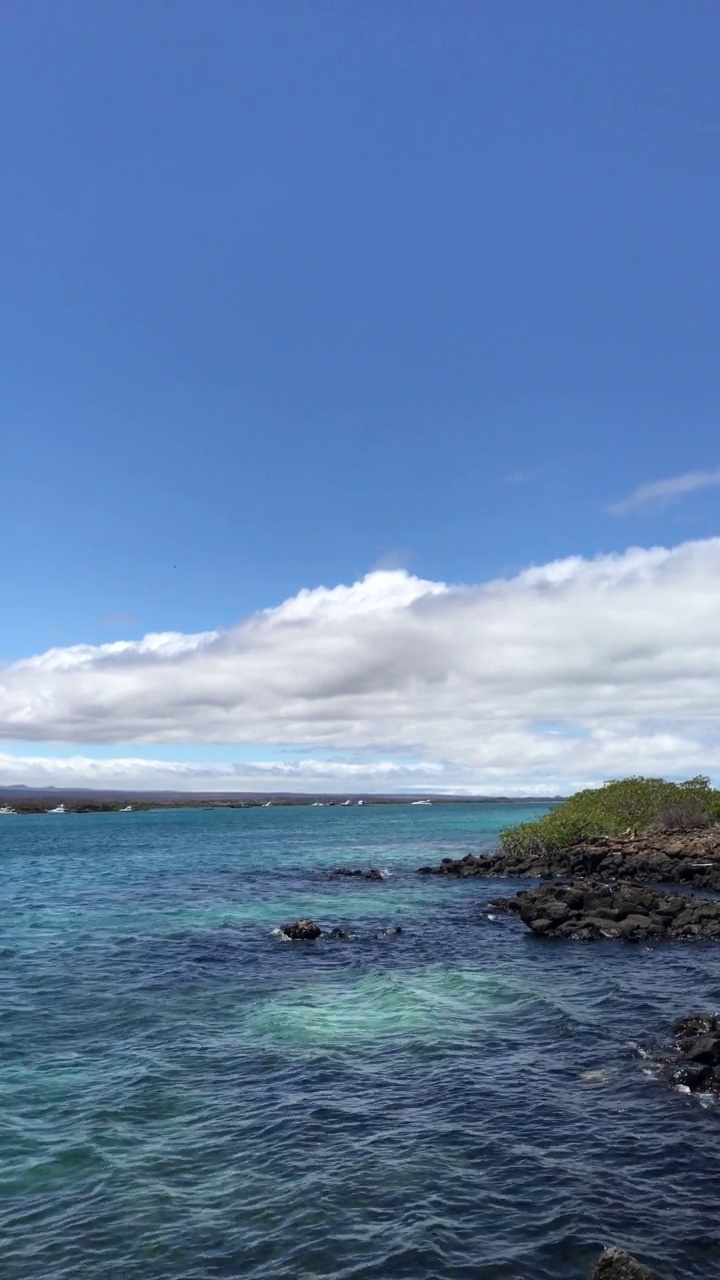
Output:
(628, 804)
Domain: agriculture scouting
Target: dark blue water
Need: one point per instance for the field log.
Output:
(184, 1095)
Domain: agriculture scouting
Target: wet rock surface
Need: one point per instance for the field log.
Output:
(349, 935)
(309, 931)
(690, 1059)
(301, 931)
(615, 1264)
(356, 873)
(588, 910)
(691, 858)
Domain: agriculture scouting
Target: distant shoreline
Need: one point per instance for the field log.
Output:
(95, 800)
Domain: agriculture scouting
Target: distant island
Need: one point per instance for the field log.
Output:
(23, 799)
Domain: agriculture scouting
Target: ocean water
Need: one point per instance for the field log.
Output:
(186, 1096)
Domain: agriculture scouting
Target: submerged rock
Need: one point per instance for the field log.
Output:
(587, 910)
(301, 930)
(615, 1264)
(356, 873)
(682, 857)
(391, 932)
(308, 931)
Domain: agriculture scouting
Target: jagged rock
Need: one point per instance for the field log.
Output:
(691, 1059)
(587, 910)
(615, 1264)
(695, 1024)
(705, 1050)
(690, 857)
(696, 1079)
(302, 930)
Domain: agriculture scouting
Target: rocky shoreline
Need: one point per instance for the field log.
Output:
(589, 910)
(690, 858)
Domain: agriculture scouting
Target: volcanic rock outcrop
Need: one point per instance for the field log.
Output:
(690, 858)
(588, 910)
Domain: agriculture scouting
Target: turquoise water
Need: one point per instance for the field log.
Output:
(186, 1096)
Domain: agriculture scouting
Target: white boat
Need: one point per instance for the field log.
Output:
(421, 801)
(60, 808)
(128, 809)
(361, 801)
(345, 802)
(6, 809)
(267, 804)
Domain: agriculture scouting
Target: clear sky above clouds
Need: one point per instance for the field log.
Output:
(295, 292)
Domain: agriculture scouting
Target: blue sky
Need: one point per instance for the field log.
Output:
(295, 292)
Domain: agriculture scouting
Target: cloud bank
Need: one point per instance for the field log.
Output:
(660, 492)
(569, 673)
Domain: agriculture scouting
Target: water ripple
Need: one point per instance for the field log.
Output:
(187, 1097)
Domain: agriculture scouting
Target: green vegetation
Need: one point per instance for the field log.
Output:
(631, 804)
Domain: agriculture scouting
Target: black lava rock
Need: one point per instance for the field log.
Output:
(302, 930)
(691, 1058)
(615, 1264)
(356, 873)
(309, 931)
(662, 857)
(588, 910)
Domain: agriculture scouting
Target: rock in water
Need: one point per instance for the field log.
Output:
(594, 909)
(692, 1060)
(356, 873)
(302, 930)
(695, 1024)
(308, 930)
(615, 1264)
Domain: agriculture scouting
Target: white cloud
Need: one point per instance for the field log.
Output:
(564, 675)
(128, 772)
(660, 492)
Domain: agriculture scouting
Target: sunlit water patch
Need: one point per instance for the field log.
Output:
(427, 1003)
